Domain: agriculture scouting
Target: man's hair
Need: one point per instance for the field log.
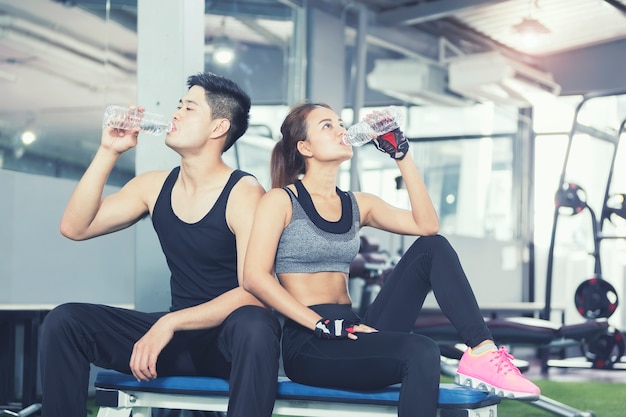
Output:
(226, 99)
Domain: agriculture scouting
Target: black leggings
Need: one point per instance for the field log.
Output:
(244, 348)
(393, 355)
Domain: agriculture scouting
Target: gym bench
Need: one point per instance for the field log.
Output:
(120, 395)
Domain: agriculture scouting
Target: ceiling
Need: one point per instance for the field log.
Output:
(62, 61)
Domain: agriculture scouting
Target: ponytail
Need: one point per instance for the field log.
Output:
(277, 166)
(285, 167)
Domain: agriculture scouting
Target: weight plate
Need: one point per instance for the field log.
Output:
(595, 298)
(605, 350)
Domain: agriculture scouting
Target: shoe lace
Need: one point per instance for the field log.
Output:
(504, 361)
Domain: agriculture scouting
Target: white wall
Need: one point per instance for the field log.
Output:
(493, 268)
(40, 266)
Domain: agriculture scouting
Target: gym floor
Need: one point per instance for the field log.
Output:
(571, 374)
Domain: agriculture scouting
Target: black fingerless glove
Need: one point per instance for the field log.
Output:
(333, 329)
(393, 144)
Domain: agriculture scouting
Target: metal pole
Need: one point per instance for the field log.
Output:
(360, 60)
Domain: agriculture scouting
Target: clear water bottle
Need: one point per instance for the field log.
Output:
(373, 125)
(124, 118)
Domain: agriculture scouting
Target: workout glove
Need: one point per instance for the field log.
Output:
(333, 329)
(393, 144)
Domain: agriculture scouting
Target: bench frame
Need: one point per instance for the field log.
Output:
(126, 397)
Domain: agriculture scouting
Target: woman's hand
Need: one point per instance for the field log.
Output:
(393, 143)
(361, 328)
(340, 329)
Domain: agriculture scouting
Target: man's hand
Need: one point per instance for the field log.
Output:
(147, 350)
(393, 144)
(121, 140)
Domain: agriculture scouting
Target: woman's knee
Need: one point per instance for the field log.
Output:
(435, 245)
(434, 242)
(425, 355)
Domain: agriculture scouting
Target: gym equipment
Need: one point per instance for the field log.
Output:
(368, 271)
(595, 298)
(614, 209)
(122, 395)
(571, 199)
(605, 350)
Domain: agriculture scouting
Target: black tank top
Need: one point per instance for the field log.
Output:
(202, 256)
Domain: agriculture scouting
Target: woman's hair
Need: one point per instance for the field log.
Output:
(226, 100)
(287, 163)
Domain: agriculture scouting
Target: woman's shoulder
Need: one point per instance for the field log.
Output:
(277, 195)
(275, 203)
(366, 201)
(363, 196)
(283, 191)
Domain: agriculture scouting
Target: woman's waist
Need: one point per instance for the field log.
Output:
(329, 311)
(318, 288)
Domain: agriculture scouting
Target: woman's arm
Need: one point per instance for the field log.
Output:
(272, 215)
(421, 220)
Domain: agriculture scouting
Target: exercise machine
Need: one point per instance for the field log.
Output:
(595, 298)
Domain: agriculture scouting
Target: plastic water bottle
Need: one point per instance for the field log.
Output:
(124, 118)
(373, 125)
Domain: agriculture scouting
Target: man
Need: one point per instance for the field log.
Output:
(202, 212)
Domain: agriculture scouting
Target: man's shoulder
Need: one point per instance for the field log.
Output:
(246, 183)
(156, 177)
(149, 183)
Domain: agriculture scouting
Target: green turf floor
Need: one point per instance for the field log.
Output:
(604, 399)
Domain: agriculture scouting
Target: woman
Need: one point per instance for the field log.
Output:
(307, 234)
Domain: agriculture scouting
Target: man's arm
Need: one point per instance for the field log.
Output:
(87, 214)
(207, 315)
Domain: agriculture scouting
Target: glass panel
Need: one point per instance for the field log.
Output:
(469, 180)
(251, 153)
(68, 63)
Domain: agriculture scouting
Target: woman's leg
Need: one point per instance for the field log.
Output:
(374, 360)
(429, 264)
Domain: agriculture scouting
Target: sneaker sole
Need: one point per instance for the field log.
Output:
(470, 382)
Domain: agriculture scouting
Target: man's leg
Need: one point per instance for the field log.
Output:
(74, 335)
(250, 339)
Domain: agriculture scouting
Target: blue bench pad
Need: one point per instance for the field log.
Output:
(450, 395)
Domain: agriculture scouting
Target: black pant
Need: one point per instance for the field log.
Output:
(393, 355)
(244, 348)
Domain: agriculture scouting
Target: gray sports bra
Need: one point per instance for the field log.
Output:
(311, 244)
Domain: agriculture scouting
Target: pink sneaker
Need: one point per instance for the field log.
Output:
(494, 372)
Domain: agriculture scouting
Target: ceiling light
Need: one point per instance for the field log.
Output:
(223, 50)
(530, 25)
(530, 30)
(28, 137)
